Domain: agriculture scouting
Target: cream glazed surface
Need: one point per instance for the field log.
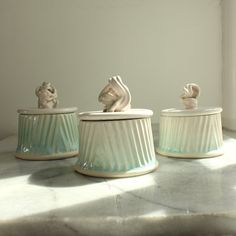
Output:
(118, 141)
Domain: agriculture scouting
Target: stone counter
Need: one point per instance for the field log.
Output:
(182, 197)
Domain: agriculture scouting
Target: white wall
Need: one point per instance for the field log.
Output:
(229, 63)
(155, 45)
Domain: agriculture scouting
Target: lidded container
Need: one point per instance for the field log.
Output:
(118, 141)
(191, 132)
(47, 132)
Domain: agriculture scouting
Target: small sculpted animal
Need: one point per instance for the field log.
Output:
(115, 96)
(47, 96)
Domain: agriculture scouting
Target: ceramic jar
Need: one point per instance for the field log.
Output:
(47, 134)
(194, 133)
(116, 144)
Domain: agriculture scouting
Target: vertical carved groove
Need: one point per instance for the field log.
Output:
(116, 146)
(199, 135)
(47, 134)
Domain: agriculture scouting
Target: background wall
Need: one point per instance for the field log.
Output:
(156, 46)
(229, 65)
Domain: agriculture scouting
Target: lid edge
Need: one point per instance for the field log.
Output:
(129, 114)
(45, 111)
(191, 112)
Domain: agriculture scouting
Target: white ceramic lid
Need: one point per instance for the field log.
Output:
(201, 111)
(124, 115)
(44, 111)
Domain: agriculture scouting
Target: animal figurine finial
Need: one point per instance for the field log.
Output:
(115, 96)
(47, 96)
(190, 94)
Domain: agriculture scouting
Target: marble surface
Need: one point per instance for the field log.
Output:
(182, 197)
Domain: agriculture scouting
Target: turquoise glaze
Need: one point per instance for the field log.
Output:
(117, 147)
(47, 136)
(191, 133)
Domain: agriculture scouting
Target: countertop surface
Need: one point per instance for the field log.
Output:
(182, 197)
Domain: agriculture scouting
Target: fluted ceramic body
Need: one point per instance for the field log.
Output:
(194, 134)
(46, 134)
(116, 147)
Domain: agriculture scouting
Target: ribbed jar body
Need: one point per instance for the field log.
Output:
(191, 136)
(116, 148)
(47, 136)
